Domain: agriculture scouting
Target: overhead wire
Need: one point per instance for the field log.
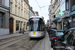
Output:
(39, 6)
(37, 3)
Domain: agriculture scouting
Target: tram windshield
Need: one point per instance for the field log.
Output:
(36, 25)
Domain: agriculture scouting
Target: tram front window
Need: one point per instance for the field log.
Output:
(36, 26)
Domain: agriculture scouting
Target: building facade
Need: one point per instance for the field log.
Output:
(60, 22)
(4, 17)
(31, 12)
(19, 15)
(64, 6)
(72, 10)
(53, 12)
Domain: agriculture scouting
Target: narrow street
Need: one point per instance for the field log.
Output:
(22, 42)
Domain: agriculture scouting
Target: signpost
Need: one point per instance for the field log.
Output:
(61, 13)
(70, 21)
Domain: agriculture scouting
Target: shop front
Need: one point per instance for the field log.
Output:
(66, 23)
(73, 17)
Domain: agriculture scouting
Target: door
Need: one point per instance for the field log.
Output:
(11, 25)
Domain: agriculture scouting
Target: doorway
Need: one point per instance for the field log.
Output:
(11, 25)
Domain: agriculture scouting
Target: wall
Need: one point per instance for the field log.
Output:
(5, 11)
(4, 31)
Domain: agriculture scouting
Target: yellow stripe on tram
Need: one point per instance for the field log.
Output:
(34, 33)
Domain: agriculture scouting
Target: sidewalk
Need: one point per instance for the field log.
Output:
(11, 35)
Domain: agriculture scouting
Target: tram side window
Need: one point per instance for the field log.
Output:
(43, 28)
(41, 25)
(31, 26)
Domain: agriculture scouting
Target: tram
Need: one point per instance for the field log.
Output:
(36, 27)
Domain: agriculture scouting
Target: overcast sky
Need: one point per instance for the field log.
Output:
(44, 10)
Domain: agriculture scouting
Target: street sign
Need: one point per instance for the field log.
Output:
(61, 13)
(70, 21)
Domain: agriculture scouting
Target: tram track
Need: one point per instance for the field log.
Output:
(4, 41)
(18, 43)
(29, 45)
(13, 40)
(24, 44)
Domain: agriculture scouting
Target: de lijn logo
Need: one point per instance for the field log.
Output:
(61, 13)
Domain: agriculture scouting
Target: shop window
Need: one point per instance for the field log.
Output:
(17, 26)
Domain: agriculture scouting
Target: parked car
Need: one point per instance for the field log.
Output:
(67, 41)
(50, 30)
(55, 35)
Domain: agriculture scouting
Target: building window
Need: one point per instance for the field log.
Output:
(24, 6)
(15, 9)
(24, 13)
(1, 20)
(19, 1)
(18, 11)
(54, 16)
(10, 7)
(67, 4)
(21, 13)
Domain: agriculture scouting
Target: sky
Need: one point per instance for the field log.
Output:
(43, 11)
